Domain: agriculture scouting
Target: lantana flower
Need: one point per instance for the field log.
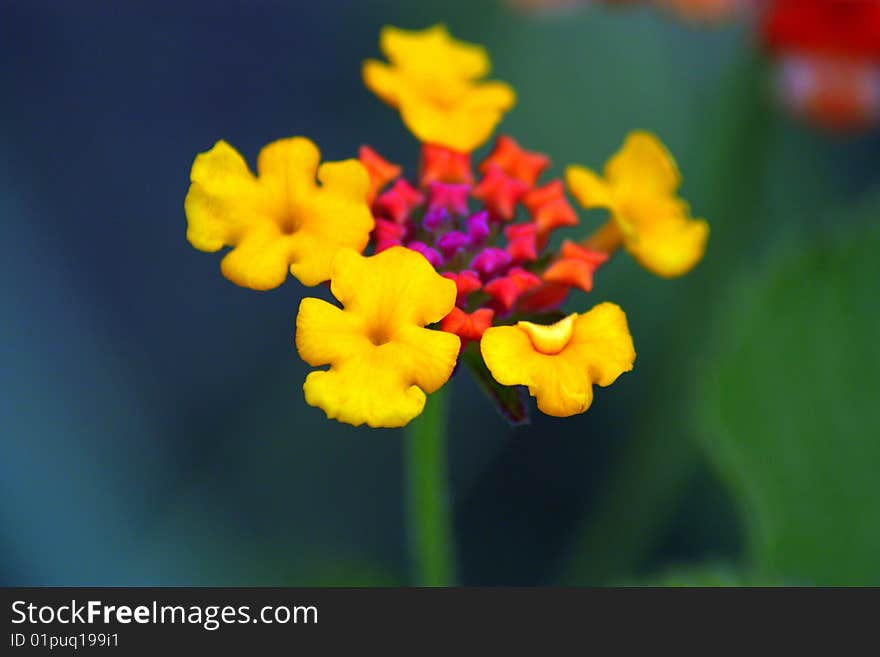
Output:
(281, 219)
(382, 359)
(435, 82)
(452, 264)
(560, 363)
(639, 189)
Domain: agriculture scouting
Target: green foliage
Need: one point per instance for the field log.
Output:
(708, 575)
(790, 410)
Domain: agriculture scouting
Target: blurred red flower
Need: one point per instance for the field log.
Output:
(828, 59)
(840, 27)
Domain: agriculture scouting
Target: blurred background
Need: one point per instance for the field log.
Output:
(152, 425)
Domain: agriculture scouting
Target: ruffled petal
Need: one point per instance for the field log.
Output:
(383, 81)
(643, 166)
(380, 385)
(590, 190)
(323, 208)
(392, 288)
(382, 360)
(365, 389)
(295, 215)
(509, 354)
(286, 168)
(462, 125)
(598, 351)
(489, 96)
(639, 188)
(326, 334)
(433, 80)
(334, 217)
(420, 51)
(663, 238)
(259, 260)
(223, 198)
(602, 343)
(427, 357)
(561, 387)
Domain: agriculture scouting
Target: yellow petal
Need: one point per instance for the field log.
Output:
(428, 356)
(334, 217)
(259, 260)
(599, 350)
(380, 385)
(383, 81)
(422, 51)
(489, 96)
(323, 209)
(327, 334)
(663, 238)
(509, 355)
(295, 215)
(222, 199)
(643, 166)
(286, 168)
(365, 389)
(382, 359)
(434, 81)
(561, 387)
(462, 125)
(588, 188)
(561, 390)
(602, 343)
(481, 110)
(347, 181)
(639, 190)
(550, 339)
(393, 288)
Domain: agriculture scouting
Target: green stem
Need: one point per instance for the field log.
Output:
(427, 504)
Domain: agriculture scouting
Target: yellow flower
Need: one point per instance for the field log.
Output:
(639, 188)
(382, 359)
(283, 218)
(561, 362)
(434, 81)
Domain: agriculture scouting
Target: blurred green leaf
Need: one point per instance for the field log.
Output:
(790, 410)
(706, 575)
(669, 319)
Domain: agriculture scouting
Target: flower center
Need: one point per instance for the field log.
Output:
(550, 339)
(379, 335)
(289, 223)
(443, 94)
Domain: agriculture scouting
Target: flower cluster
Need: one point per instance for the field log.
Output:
(827, 58)
(461, 263)
(696, 10)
